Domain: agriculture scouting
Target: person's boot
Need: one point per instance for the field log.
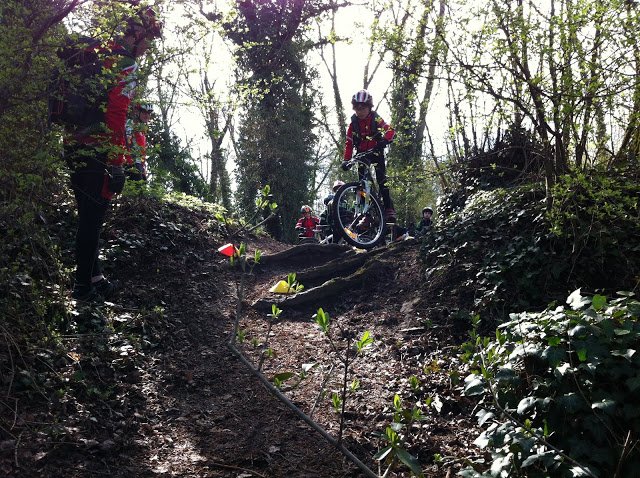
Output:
(84, 293)
(106, 289)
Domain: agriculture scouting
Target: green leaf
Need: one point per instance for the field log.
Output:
(578, 331)
(530, 460)
(322, 319)
(628, 353)
(598, 302)
(409, 460)
(397, 403)
(606, 405)
(474, 385)
(576, 301)
(382, 454)
(571, 402)
(554, 341)
(482, 441)
(306, 367)
(365, 341)
(283, 377)
(484, 415)
(525, 405)
(582, 354)
(633, 383)
(621, 332)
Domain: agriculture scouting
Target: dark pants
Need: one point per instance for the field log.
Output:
(87, 178)
(377, 159)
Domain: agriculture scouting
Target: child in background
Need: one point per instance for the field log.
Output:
(307, 223)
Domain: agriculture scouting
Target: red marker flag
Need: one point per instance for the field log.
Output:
(227, 250)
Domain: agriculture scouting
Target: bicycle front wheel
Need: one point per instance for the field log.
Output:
(358, 216)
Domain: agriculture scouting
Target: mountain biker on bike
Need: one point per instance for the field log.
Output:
(368, 131)
(307, 223)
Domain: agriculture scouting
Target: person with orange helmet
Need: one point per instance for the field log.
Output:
(369, 132)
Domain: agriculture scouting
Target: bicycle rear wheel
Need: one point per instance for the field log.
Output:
(358, 216)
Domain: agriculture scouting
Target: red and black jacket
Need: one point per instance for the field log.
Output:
(308, 224)
(364, 134)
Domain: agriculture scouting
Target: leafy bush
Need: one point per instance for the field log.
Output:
(514, 159)
(508, 253)
(560, 389)
(495, 250)
(595, 221)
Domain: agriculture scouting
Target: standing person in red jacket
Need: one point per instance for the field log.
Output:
(96, 153)
(368, 131)
(307, 223)
(136, 160)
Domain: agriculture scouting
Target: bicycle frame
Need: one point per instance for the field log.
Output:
(362, 222)
(366, 180)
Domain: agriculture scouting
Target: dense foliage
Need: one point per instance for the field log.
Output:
(512, 252)
(558, 385)
(561, 391)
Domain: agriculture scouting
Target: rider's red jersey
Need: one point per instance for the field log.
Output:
(367, 133)
(309, 224)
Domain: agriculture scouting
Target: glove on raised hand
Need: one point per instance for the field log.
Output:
(345, 166)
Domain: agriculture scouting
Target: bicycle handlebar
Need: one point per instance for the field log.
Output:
(361, 157)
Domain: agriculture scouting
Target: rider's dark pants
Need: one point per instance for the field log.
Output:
(377, 159)
(87, 179)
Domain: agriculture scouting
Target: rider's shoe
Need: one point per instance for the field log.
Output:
(390, 214)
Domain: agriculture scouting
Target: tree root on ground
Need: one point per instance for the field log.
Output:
(328, 289)
(350, 270)
(309, 253)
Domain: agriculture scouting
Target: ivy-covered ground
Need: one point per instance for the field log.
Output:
(147, 386)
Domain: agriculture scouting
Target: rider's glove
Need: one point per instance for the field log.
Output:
(346, 166)
(380, 145)
(116, 179)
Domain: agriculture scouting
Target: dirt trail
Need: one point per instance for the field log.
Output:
(164, 396)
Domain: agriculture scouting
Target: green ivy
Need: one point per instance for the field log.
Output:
(560, 391)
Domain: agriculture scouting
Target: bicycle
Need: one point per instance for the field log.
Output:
(357, 208)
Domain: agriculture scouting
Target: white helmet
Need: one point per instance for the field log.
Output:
(337, 184)
(362, 96)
